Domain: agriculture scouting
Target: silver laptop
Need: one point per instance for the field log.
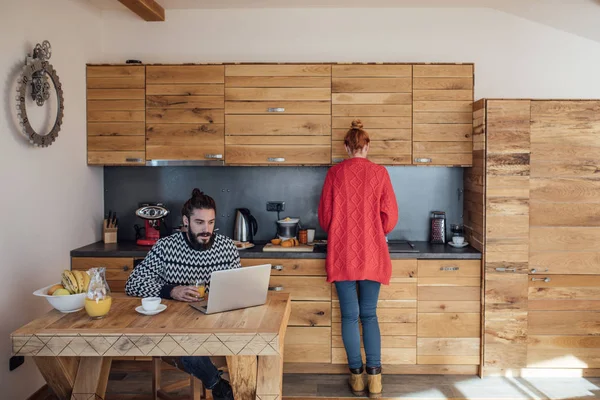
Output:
(233, 289)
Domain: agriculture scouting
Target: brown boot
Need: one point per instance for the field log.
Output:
(374, 382)
(357, 381)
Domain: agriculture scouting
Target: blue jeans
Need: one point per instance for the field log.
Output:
(361, 305)
(202, 368)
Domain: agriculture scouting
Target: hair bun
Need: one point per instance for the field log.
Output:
(356, 124)
(196, 192)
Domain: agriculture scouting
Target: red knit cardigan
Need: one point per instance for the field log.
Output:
(357, 209)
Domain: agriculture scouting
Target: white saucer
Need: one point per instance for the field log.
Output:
(161, 308)
(458, 246)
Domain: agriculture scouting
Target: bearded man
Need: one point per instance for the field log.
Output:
(174, 265)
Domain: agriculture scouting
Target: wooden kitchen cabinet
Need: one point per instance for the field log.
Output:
(278, 114)
(185, 112)
(117, 269)
(308, 338)
(449, 312)
(116, 114)
(442, 115)
(381, 97)
(397, 315)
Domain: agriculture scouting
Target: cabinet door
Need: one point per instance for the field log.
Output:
(449, 318)
(397, 315)
(564, 288)
(116, 115)
(117, 269)
(185, 112)
(278, 114)
(506, 234)
(442, 114)
(380, 96)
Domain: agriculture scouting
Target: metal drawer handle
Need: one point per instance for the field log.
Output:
(423, 160)
(133, 160)
(533, 271)
(504, 269)
(275, 109)
(449, 268)
(214, 156)
(277, 267)
(276, 288)
(276, 159)
(125, 268)
(338, 160)
(546, 279)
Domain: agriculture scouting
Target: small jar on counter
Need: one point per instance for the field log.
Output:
(303, 236)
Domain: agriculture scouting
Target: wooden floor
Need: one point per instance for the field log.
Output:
(132, 381)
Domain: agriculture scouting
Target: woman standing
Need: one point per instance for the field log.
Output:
(357, 209)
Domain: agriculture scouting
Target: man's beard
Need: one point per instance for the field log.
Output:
(200, 240)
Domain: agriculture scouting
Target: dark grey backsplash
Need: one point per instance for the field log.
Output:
(419, 190)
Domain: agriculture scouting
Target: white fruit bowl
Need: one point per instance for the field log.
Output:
(64, 304)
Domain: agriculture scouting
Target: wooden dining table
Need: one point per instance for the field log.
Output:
(74, 352)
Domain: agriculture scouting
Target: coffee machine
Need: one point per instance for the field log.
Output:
(153, 215)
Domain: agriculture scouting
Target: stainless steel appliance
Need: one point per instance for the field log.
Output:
(245, 226)
(438, 227)
(287, 228)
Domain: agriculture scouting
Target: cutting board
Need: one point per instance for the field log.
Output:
(303, 248)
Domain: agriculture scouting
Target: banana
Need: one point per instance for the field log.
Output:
(80, 280)
(86, 281)
(69, 281)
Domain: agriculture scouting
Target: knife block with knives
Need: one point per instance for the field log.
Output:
(109, 228)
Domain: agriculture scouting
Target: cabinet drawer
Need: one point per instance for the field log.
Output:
(117, 268)
(278, 154)
(393, 291)
(279, 107)
(389, 356)
(449, 325)
(278, 125)
(448, 351)
(564, 293)
(185, 142)
(307, 345)
(449, 268)
(302, 287)
(310, 313)
(282, 266)
(116, 157)
(423, 158)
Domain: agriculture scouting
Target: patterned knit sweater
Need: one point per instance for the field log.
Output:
(172, 262)
(357, 209)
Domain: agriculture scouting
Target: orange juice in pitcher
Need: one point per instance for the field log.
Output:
(98, 299)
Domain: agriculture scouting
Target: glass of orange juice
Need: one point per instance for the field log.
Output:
(201, 288)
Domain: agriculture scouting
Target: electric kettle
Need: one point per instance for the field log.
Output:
(245, 226)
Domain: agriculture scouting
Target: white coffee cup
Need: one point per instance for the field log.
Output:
(150, 303)
(310, 235)
(458, 239)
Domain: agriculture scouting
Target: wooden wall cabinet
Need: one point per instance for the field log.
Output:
(116, 115)
(442, 114)
(278, 114)
(185, 117)
(381, 97)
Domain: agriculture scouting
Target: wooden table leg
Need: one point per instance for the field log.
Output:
(243, 374)
(59, 373)
(92, 378)
(269, 383)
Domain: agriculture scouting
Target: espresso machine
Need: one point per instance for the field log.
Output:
(153, 215)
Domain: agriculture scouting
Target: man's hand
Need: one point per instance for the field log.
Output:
(185, 293)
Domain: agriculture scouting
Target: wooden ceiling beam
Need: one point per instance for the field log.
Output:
(148, 10)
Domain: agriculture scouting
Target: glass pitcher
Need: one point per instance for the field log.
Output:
(98, 299)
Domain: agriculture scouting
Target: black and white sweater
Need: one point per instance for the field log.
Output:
(172, 262)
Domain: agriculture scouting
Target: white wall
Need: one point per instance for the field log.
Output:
(513, 57)
(50, 200)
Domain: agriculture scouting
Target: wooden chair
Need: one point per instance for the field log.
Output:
(197, 391)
